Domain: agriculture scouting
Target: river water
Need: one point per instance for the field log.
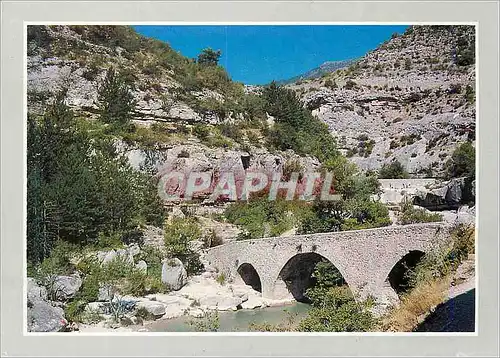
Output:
(236, 321)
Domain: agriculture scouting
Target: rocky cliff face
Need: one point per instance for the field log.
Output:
(170, 91)
(412, 99)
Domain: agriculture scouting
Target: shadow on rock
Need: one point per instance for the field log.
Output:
(454, 315)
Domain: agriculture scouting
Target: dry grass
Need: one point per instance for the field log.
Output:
(414, 305)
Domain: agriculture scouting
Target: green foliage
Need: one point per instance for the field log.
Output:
(355, 210)
(365, 146)
(78, 186)
(116, 101)
(395, 170)
(462, 162)
(212, 239)
(350, 84)
(335, 310)
(407, 64)
(178, 235)
(411, 215)
(209, 322)
(446, 258)
(465, 52)
(470, 95)
(209, 57)
(221, 278)
(295, 127)
(201, 131)
(263, 218)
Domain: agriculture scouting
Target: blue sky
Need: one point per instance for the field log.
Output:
(262, 53)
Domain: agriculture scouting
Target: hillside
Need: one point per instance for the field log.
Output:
(111, 111)
(322, 70)
(186, 114)
(412, 99)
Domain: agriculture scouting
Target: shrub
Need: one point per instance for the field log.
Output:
(183, 154)
(395, 170)
(337, 311)
(350, 84)
(407, 64)
(116, 101)
(462, 162)
(470, 95)
(232, 131)
(178, 235)
(209, 57)
(221, 278)
(209, 322)
(455, 88)
(446, 259)
(411, 215)
(212, 239)
(201, 131)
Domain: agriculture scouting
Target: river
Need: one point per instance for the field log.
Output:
(235, 321)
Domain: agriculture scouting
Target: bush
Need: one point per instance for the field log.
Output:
(212, 239)
(295, 127)
(201, 131)
(116, 101)
(395, 170)
(263, 218)
(462, 162)
(446, 258)
(470, 95)
(178, 235)
(350, 84)
(411, 215)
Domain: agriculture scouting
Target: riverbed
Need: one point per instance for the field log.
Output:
(235, 321)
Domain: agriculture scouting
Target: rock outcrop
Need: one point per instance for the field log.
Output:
(411, 98)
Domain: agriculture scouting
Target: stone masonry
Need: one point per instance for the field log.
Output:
(363, 257)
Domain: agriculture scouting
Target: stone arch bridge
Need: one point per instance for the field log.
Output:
(280, 267)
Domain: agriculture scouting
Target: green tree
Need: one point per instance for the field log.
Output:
(395, 170)
(462, 162)
(209, 57)
(295, 127)
(116, 101)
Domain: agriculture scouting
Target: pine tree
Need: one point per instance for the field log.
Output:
(116, 100)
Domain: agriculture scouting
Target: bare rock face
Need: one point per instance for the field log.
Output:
(173, 274)
(409, 97)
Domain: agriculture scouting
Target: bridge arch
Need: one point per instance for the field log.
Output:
(398, 276)
(296, 275)
(250, 276)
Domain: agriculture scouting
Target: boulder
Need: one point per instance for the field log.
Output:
(220, 302)
(157, 309)
(142, 266)
(98, 307)
(173, 274)
(106, 256)
(43, 317)
(446, 195)
(35, 292)
(106, 292)
(252, 302)
(125, 255)
(67, 286)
